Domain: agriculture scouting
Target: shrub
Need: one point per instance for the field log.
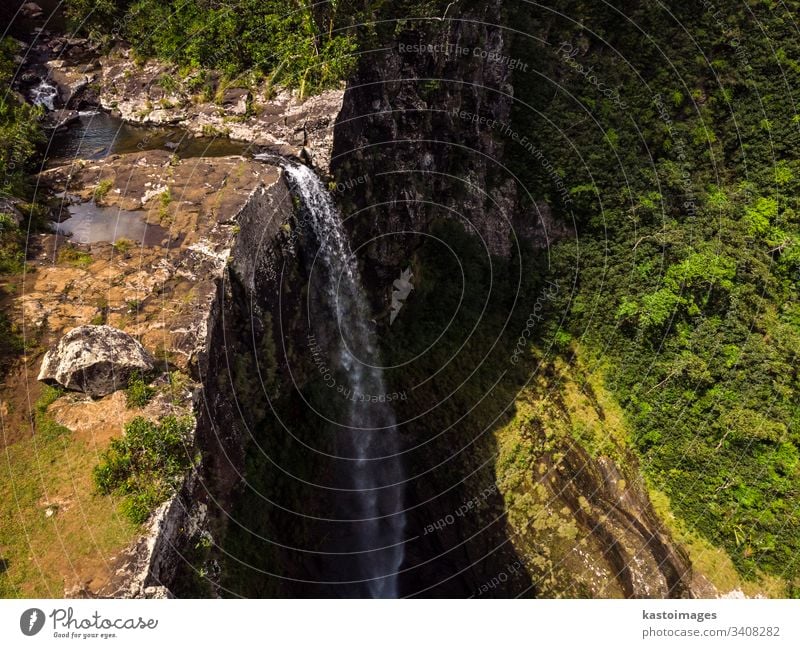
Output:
(123, 245)
(146, 465)
(139, 393)
(102, 189)
(177, 386)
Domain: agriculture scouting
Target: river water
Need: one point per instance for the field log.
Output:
(98, 134)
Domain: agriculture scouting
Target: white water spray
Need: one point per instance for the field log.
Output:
(369, 439)
(44, 95)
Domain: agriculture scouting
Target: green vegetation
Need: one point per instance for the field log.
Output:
(138, 393)
(48, 509)
(176, 387)
(310, 47)
(43, 422)
(146, 465)
(102, 189)
(12, 257)
(164, 201)
(11, 342)
(21, 137)
(123, 245)
(73, 256)
(688, 260)
(19, 130)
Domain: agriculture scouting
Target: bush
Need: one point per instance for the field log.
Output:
(139, 393)
(102, 189)
(146, 465)
(20, 131)
(12, 257)
(310, 49)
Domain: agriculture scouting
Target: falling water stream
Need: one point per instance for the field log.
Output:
(370, 503)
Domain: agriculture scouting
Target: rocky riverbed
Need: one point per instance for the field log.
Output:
(68, 75)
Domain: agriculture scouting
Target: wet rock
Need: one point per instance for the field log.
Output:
(60, 119)
(96, 360)
(74, 83)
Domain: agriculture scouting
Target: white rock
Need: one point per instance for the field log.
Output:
(96, 360)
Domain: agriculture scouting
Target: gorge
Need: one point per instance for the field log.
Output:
(445, 324)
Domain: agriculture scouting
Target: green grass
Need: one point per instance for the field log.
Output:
(45, 425)
(42, 555)
(72, 256)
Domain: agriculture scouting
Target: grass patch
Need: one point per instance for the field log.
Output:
(145, 466)
(43, 555)
(72, 256)
(45, 425)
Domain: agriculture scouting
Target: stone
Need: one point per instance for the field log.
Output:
(235, 100)
(96, 360)
(31, 10)
(10, 206)
(59, 119)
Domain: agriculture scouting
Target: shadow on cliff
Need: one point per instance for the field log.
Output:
(272, 518)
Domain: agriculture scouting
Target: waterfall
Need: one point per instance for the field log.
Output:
(367, 445)
(44, 95)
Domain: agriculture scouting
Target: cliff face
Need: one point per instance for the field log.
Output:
(424, 130)
(175, 553)
(425, 134)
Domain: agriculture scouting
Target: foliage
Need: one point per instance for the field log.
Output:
(102, 189)
(12, 257)
(310, 47)
(10, 342)
(687, 268)
(138, 393)
(20, 131)
(146, 465)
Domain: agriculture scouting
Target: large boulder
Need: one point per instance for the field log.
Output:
(96, 360)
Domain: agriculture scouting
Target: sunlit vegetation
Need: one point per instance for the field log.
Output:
(302, 45)
(689, 252)
(145, 465)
